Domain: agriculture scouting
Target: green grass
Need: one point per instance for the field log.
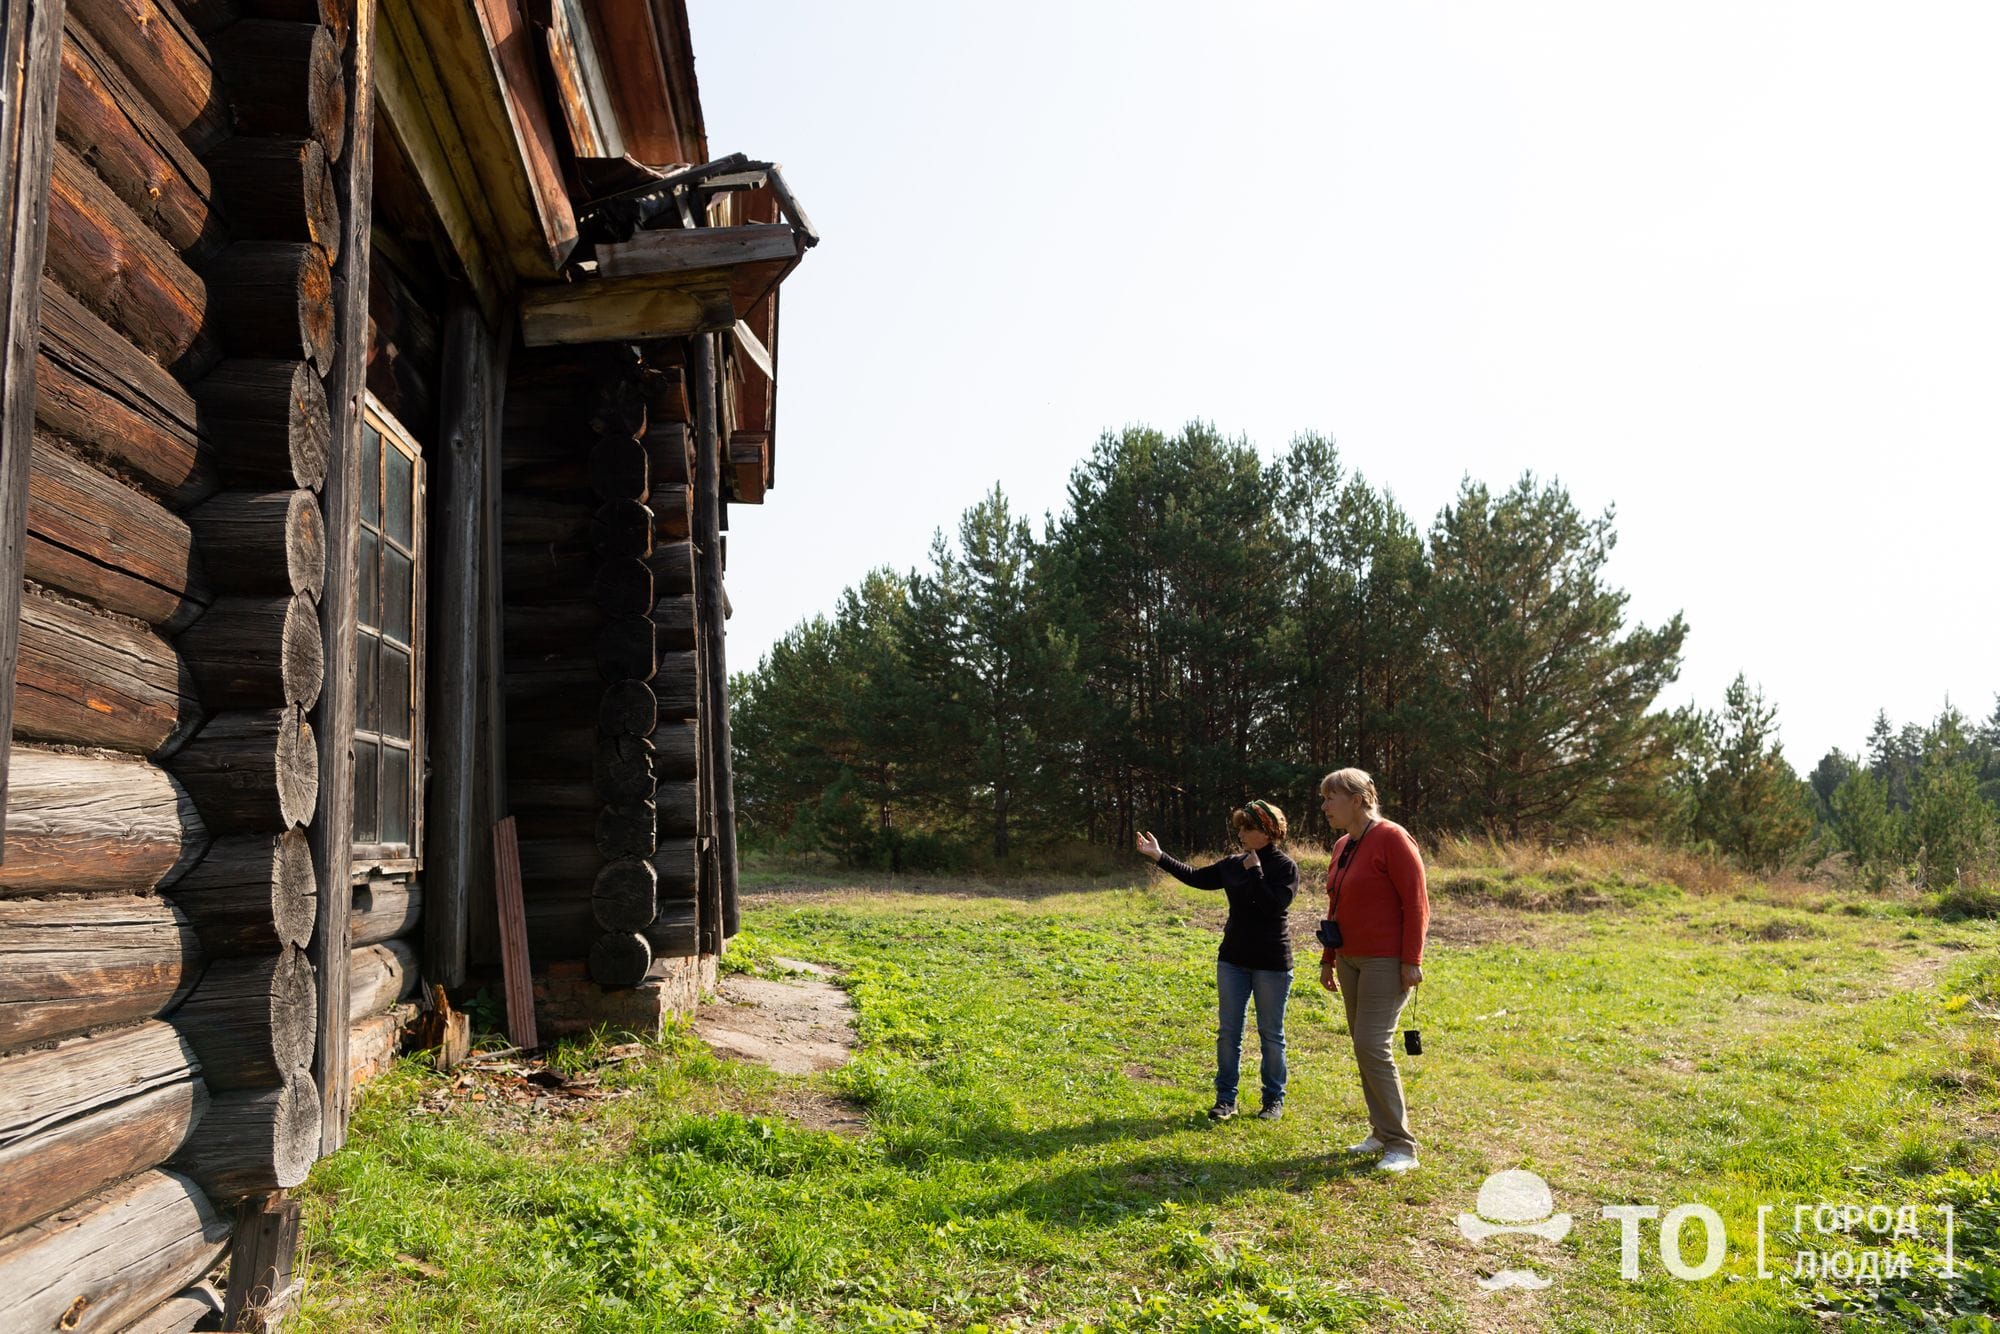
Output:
(1034, 1065)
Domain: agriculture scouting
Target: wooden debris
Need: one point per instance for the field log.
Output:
(445, 1032)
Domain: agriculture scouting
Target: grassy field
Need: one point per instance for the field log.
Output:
(1033, 1068)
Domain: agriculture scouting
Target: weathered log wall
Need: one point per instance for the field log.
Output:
(602, 682)
(157, 889)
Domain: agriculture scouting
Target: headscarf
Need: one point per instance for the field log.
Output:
(1270, 821)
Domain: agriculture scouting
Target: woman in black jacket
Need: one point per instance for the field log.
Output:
(1256, 954)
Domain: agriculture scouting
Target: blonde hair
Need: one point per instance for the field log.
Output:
(1261, 816)
(1353, 783)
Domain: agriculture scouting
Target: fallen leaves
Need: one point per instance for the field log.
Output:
(522, 1085)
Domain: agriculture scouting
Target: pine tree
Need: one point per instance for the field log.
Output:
(1865, 826)
(1552, 691)
(1753, 805)
(1951, 828)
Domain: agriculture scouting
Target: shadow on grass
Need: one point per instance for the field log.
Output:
(1093, 1195)
(780, 889)
(988, 1145)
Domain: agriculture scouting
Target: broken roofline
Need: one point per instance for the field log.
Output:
(657, 271)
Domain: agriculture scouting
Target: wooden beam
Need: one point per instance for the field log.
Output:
(332, 830)
(454, 695)
(260, 1262)
(599, 311)
(679, 250)
(492, 803)
(31, 45)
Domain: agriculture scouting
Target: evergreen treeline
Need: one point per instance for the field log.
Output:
(1198, 627)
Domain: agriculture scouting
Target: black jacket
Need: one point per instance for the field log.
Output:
(1257, 934)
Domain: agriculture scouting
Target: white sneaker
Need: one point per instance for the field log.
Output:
(1397, 1160)
(1369, 1145)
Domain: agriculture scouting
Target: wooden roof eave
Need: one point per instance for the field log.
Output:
(489, 95)
(665, 284)
(416, 112)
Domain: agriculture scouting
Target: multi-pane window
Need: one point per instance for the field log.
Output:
(389, 634)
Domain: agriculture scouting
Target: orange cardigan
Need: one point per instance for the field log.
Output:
(1384, 909)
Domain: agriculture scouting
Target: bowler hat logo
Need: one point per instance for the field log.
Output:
(1514, 1203)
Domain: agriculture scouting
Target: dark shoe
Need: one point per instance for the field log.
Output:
(1271, 1111)
(1222, 1111)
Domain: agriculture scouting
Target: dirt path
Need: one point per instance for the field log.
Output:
(794, 1026)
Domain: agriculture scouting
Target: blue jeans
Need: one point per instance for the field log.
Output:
(1234, 986)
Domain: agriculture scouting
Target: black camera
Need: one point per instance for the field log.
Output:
(1413, 1041)
(1328, 934)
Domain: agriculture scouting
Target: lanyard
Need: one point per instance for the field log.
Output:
(1345, 866)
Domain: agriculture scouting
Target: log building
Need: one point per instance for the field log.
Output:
(376, 378)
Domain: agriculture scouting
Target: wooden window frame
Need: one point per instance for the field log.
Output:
(371, 860)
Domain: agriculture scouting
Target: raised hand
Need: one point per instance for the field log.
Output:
(1149, 847)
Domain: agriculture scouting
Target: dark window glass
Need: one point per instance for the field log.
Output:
(395, 795)
(367, 563)
(371, 475)
(367, 816)
(397, 606)
(395, 692)
(367, 715)
(401, 496)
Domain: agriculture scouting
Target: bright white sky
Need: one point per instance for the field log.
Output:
(1732, 267)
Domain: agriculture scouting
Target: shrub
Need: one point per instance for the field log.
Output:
(1963, 901)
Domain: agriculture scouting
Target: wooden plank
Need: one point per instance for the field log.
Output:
(454, 696)
(414, 107)
(332, 830)
(754, 350)
(583, 91)
(603, 310)
(670, 20)
(638, 82)
(260, 1262)
(510, 46)
(680, 251)
(31, 45)
(709, 600)
(515, 969)
(456, 36)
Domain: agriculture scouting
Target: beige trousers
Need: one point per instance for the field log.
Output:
(1372, 990)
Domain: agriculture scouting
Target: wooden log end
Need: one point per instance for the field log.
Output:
(620, 959)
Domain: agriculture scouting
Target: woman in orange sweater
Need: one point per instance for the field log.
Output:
(1376, 898)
